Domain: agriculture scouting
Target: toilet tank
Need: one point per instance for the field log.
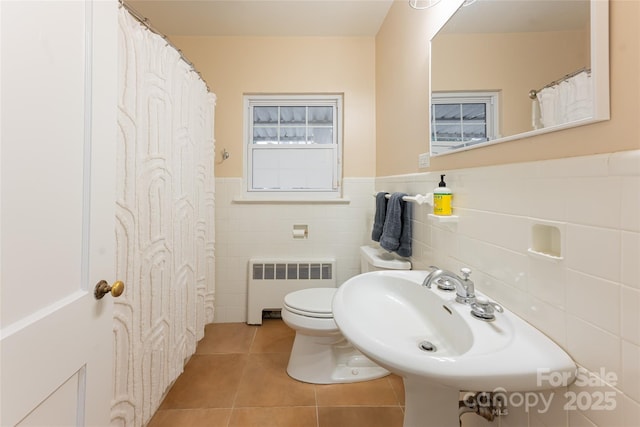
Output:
(374, 259)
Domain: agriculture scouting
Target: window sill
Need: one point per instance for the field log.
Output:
(276, 201)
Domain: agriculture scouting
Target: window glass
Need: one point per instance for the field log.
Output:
(462, 119)
(293, 115)
(321, 115)
(293, 145)
(265, 115)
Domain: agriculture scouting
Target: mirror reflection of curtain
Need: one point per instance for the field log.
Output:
(565, 102)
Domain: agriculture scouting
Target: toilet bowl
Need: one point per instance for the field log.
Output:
(320, 354)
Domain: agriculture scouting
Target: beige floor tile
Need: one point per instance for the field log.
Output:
(274, 336)
(398, 387)
(237, 378)
(366, 393)
(265, 383)
(274, 417)
(208, 381)
(226, 338)
(191, 418)
(359, 416)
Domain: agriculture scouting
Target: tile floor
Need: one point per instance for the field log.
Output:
(237, 378)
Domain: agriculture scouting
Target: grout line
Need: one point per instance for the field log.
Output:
(315, 395)
(395, 393)
(253, 340)
(244, 369)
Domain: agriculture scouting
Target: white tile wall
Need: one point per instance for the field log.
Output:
(247, 230)
(588, 302)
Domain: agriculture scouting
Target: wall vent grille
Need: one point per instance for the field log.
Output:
(271, 279)
(292, 271)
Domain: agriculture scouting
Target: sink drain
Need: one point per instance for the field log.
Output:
(427, 346)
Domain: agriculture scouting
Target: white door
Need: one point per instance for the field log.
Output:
(58, 86)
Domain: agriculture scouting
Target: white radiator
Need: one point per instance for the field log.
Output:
(271, 279)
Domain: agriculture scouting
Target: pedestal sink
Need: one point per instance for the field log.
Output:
(438, 347)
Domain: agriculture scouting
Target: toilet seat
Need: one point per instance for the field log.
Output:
(312, 302)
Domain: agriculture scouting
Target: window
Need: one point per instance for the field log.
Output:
(462, 119)
(293, 146)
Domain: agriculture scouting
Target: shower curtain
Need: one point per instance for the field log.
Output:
(164, 217)
(565, 102)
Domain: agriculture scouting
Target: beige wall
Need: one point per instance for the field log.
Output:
(402, 90)
(509, 63)
(233, 66)
(385, 82)
(394, 66)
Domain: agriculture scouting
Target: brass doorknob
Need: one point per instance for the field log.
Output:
(103, 288)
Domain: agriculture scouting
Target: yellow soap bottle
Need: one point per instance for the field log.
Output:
(442, 199)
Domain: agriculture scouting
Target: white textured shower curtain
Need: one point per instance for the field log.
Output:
(164, 217)
(565, 102)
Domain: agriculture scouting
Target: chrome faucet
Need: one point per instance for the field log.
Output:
(465, 290)
(484, 309)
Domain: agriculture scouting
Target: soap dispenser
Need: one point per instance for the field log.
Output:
(442, 199)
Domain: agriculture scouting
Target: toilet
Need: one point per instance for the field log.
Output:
(320, 354)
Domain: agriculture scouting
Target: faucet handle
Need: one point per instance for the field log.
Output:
(466, 272)
(484, 301)
(484, 309)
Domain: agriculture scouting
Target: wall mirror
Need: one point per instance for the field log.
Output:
(504, 70)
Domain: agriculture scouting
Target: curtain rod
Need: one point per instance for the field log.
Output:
(533, 92)
(147, 24)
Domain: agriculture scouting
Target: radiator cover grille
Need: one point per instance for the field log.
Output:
(271, 279)
(292, 271)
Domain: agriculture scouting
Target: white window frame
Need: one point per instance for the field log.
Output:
(490, 99)
(333, 191)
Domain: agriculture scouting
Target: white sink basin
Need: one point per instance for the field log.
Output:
(388, 314)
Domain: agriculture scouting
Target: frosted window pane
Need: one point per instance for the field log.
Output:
(447, 132)
(265, 158)
(321, 115)
(291, 157)
(293, 135)
(265, 115)
(447, 111)
(321, 135)
(474, 132)
(293, 115)
(474, 112)
(265, 135)
(319, 178)
(291, 178)
(316, 159)
(290, 168)
(266, 178)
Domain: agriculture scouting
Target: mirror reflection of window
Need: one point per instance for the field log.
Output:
(460, 120)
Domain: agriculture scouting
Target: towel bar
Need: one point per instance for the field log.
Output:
(418, 198)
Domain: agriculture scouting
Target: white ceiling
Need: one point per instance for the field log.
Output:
(264, 17)
(512, 16)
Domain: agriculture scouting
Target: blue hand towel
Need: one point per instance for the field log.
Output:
(404, 249)
(396, 233)
(378, 220)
